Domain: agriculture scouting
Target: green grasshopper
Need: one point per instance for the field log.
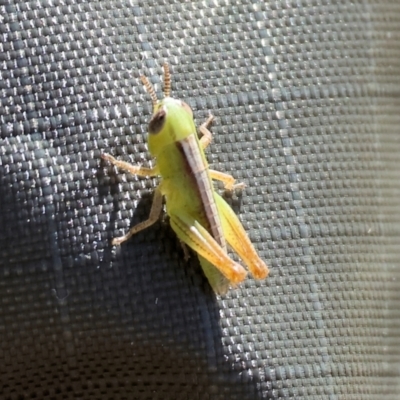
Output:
(199, 216)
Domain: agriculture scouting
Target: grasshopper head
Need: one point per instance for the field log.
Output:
(172, 119)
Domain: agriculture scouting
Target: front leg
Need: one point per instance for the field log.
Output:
(157, 201)
(226, 179)
(155, 212)
(133, 169)
(207, 135)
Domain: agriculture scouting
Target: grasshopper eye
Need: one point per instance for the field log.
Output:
(157, 121)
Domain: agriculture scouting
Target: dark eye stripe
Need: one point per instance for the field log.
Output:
(157, 122)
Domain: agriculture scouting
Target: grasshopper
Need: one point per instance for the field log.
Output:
(200, 217)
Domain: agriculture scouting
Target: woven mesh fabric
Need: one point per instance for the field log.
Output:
(306, 96)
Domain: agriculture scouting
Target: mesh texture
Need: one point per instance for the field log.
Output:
(306, 96)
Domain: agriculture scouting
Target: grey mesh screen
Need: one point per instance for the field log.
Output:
(306, 100)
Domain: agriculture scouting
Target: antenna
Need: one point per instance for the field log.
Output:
(167, 80)
(150, 89)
